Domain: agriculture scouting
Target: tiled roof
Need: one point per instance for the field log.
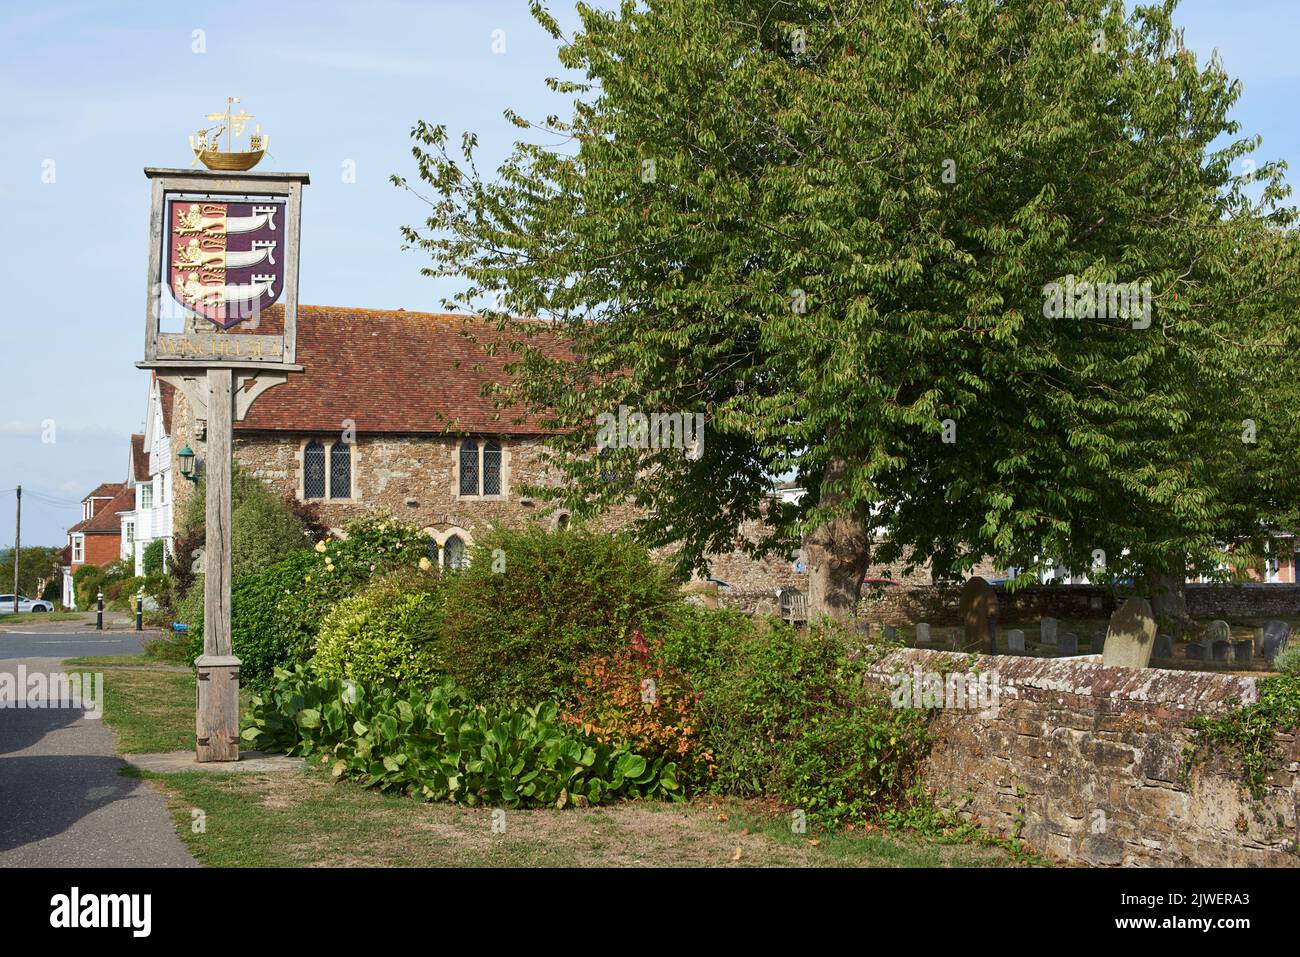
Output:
(139, 459)
(106, 490)
(392, 371)
(166, 397)
(107, 520)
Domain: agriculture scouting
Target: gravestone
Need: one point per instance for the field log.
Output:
(1196, 651)
(1067, 644)
(1243, 650)
(891, 633)
(1131, 636)
(1016, 641)
(1099, 643)
(1164, 647)
(1047, 631)
(1216, 639)
(979, 608)
(953, 642)
(923, 633)
(1276, 636)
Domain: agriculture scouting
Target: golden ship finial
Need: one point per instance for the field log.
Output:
(207, 146)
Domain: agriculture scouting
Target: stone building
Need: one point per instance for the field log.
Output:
(390, 416)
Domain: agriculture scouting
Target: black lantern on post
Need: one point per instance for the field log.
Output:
(188, 472)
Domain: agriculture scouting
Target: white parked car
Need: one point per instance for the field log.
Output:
(24, 604)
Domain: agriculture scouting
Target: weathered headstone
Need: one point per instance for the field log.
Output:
(1016, 641)
(1198, 651)
(1164, 647)
(1276, 636)
(1047, 631)
(1243, 650)
(923, 633)
(1131, 636)
(1216, 639)
(891, 633)
(1099, 642)
(979, 606)
(1067, 644)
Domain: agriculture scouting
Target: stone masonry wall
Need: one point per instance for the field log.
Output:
(413, 478)
(1084, 762)
(1243, 601)
(937, 604)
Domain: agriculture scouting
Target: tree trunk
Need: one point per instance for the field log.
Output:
(1169, 598)
(839, 554)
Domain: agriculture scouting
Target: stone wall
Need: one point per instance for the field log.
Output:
(937, 604)
(1231, 602)
(412, 478)
(1084, 763)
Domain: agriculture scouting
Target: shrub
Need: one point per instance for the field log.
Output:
(263, 532)
(120, 596)
(533, 605)
(265, 529)
(53, 590)
(632, 699)
(1288, 660)
(189, 610)
(384, 634)
(788, 713)
(439, 746)
(89, 580)
(154, 555)
(276, 613)
(85, 584)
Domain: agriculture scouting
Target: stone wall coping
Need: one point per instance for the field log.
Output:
(1192, 692)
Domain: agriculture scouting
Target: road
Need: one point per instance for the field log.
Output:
(63, 800)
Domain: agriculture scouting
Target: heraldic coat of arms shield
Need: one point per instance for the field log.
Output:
(226, 259)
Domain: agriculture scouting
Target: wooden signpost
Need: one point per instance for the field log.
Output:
(222, 248)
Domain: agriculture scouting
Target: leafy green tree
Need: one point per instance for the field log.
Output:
(155, 556)
(834, 230)
(35, 564)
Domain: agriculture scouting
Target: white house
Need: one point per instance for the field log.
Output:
(151, 477)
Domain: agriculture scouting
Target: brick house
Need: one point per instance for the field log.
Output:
(97, 538)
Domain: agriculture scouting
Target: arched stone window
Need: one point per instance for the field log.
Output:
(449, 548)
(313, 470)
(453, 553)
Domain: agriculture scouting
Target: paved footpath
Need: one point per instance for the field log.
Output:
(63, 802)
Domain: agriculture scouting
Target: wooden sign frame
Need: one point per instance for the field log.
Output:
(229, 351)
(221, 376)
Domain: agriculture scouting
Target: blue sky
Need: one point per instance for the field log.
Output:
(103, 90)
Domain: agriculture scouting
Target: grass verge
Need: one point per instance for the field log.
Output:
(307, 819)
